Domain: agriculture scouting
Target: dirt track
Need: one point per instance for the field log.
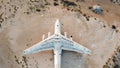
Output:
(24, 22)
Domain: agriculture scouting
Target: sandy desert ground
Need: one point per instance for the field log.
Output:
(23, 22)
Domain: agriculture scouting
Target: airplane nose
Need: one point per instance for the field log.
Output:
(57, 22)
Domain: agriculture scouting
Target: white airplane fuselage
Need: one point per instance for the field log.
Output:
(57, 27)
(57, 50)
(57, 56)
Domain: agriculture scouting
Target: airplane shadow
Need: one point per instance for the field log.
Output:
(71, 59)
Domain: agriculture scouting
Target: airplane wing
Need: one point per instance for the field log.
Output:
(73, 46)
(47, 44)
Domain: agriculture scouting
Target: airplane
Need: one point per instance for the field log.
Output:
(57, 42)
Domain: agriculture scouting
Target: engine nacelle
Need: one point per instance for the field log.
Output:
(43, 37)
(49, 34)
(71, 38)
